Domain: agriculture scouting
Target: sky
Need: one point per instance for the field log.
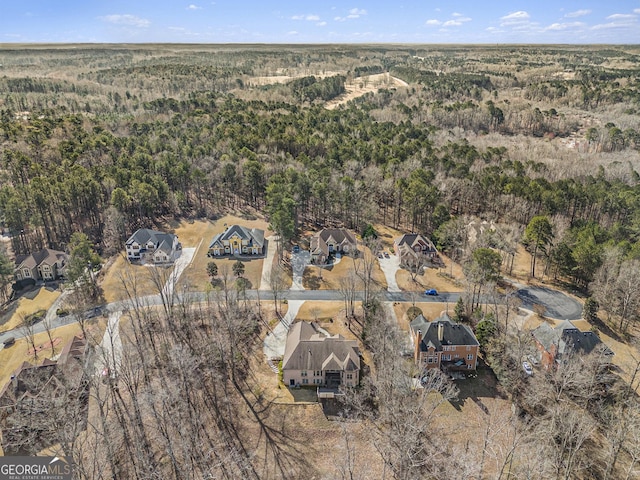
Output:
(355, 21)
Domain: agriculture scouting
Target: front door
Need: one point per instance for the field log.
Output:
(292, 383)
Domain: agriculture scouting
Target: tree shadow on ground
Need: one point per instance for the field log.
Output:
(311, 280)
(482, 385)
(602, 326)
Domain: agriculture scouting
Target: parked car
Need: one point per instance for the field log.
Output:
(526, 366)
(431, 291)
(94, 312)
(9, 341)
(386, 255)
(296, 249)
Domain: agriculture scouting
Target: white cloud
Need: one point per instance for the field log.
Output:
(578, 13)
(514, 18)
(456, 14)
(433, 21)
(452, 23)
(610, 25)
(129, 20)
(321, 24)
(353, 13)
(565, 26)
(637, 10)
(309, 17)
(621, 16)
(292, 32)
(193, 7)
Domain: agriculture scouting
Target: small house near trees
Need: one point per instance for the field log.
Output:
(330, 241)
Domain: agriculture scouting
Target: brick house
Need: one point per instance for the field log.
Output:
(443, 344)
(312, 358)
(563, 340)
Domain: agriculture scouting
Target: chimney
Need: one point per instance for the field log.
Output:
(418, 341)
(440, 331)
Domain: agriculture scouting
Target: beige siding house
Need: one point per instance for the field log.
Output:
(311, 358)
(47, 264)
(329, 241)
(237, 240)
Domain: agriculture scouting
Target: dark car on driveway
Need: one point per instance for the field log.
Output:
(431, 291)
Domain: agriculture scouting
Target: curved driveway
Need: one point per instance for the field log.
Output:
(557, 304)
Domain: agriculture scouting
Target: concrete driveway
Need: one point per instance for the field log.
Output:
(272, 248)
(299, 262)
(390, 267)
(275, 341)
(179, 265)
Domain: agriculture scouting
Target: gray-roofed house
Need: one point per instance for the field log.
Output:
(444, 344)
(329, 241)
(563, 340)
(311, 358)
(237, 240)
(46, 264)
(147, 245)
(411, 245)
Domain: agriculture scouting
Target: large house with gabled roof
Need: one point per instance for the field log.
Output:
(444, 344)
(329, 241)
(312, 358)
(556, 344)
(237, 240)
(46, 264)
(147, 245)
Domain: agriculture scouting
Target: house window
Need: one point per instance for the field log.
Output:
(349, 376)
(305, 381)
(470, 357)
(303, 373)
(26, 272)
(468, 347)
(446, 357)
(468, 367)
(430, 359)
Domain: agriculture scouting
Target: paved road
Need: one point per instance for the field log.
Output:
(558, 305)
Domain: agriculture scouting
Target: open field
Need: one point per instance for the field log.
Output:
(38, 299)
(367, 84)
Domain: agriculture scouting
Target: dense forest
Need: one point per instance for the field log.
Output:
(542, 140)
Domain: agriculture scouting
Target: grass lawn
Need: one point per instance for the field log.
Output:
(199, 234)
(138, 279)
(12, 357)
(440, 279)
(320, 312)
(39, 299)
(332, 274)
(430, 311)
